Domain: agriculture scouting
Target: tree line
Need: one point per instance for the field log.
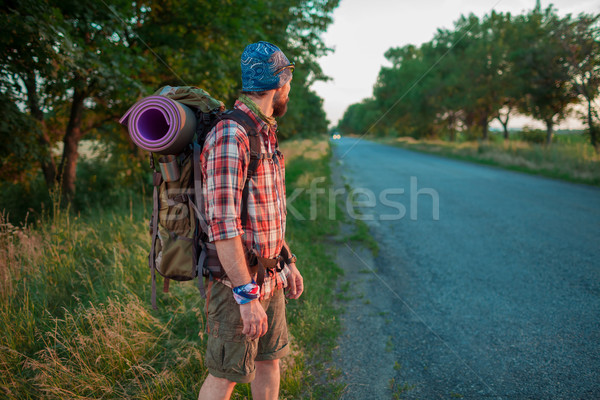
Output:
(537, 64)
(70, 68)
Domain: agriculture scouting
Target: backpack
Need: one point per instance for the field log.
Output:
(180, 249)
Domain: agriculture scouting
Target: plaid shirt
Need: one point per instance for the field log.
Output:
(225, 159)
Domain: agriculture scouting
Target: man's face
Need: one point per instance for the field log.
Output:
(280, 100)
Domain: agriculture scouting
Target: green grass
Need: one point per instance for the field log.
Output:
(76, 317)
(361, 234)
(570, 157)
(399, 389)
(314, 321)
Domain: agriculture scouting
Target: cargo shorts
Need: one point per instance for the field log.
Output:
(229, 352)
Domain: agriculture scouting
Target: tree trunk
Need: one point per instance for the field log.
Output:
(68, 165)
(469, 121)
(484, 126)
(47, 161)
(452, 127)
(592, 127)
(504, 126)
(549, 132)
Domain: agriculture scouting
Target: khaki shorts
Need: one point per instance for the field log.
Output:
(229, 353)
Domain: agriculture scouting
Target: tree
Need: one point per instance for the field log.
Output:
(539, 60)
(201, 42)
(27, 32)
(404, 108)
(74, 58)
(359, 118)
(459, 79)
(507, 88)
(580, 39)
(477, 73)
(73, 67)
(537, 64)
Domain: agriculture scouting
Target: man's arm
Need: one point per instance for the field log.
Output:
(233, 259)
(295, 280)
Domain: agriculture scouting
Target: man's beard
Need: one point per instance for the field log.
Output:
(280, 106)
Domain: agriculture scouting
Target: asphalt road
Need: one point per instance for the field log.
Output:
(493, 293)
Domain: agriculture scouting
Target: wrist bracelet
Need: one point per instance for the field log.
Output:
(291, 260)
(246, 293)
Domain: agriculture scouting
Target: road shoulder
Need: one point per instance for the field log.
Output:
(363, 354)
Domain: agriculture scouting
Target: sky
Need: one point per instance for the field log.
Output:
(363, 30)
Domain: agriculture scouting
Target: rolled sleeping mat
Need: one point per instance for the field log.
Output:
(160, 125)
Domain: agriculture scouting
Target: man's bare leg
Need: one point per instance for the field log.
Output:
(215, 388)
(266, 383)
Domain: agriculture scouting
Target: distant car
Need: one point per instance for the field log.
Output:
(336, 136)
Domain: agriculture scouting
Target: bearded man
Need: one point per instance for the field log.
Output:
(246, 216)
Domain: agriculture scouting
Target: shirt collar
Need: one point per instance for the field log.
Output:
(261, 125)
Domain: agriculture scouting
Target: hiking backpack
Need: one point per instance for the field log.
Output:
(180, 249)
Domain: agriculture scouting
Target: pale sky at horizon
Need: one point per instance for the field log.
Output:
(362, 31)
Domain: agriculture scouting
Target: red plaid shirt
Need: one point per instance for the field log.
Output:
(225, 159)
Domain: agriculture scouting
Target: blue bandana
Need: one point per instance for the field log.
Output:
(264, 67)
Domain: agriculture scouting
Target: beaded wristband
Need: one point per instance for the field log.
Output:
(246, 293)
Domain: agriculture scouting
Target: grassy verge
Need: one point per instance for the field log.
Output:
(314, 321)
(570, 159)
(77, 321)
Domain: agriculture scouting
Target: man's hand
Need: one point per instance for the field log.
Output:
(295, 283)
(254, 319)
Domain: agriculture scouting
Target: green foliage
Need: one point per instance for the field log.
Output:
(540, 62)
(25, 202)
(105, 181)
(18, 145)
(305, 116)
(537, 136)
(70, 69)
(359, 118)
(536, 63)
(213, 64)
(109, 182)
(581, 42)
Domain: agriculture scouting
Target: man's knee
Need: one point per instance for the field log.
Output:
(216, 388)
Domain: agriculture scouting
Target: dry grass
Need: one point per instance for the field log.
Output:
(308, 149)
(53, 350)
(406, 139)
(311, 149)
(20, 250)
(99, 351)
(571, 161)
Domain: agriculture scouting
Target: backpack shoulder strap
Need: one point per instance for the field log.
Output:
(255, 154)
(157, 181)
(249, 126)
